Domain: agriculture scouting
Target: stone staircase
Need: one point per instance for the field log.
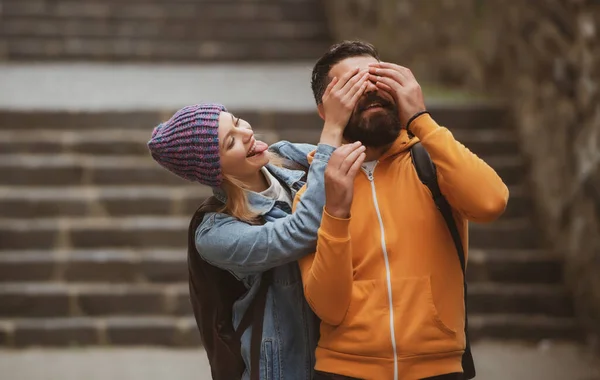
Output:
(162, 30)
(93, 232)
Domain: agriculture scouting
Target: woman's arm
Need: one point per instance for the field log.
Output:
(245, 249)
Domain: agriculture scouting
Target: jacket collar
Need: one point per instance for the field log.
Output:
(260, 203)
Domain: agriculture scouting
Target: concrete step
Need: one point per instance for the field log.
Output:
(53, 49)
(164, 10)
(185, 29)
(475, 117)
(100, 201)
(55, 299)
(168, 265)
(153, 265)
(148, 232)
(72, 169)
(485, 142)
(506, 233)
(544, 299)
(523, 327)
(182, 331)
(516, 266)
(94, 142)
(117, 330)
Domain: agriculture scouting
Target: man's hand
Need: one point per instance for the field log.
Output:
(399, 82)
(341, 170)
(339, 101)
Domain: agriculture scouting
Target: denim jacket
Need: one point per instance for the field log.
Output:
(290, 330)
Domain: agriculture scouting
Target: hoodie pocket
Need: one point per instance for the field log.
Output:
(418, 326)
(367, 322)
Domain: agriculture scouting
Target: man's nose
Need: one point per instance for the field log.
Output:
(371, 87)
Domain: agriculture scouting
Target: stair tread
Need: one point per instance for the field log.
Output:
(172, 222)
(533, 320)
(475, 320)
(517, 289)
(113, 289)
(118, 289)
(517, 255)
(170, 254)
(99, 135)
(90, 253)
(102, 192)
(111, 191)
(32, 160)
(132, 321)
(70, 159)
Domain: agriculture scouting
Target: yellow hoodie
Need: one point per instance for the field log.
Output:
(387, 283)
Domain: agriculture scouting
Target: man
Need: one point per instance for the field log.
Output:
(385, 279)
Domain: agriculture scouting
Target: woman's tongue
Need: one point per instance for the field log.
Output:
(260, 147)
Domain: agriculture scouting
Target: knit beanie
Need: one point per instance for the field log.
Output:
(188, 144)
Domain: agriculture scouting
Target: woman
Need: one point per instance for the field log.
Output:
(206, 144)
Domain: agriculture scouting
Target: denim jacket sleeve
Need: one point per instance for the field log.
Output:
(246, 249)
(295, 152)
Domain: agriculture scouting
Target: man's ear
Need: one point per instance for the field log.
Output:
(321, 111)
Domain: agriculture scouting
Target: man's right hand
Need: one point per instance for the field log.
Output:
(339, 101)
(341, 170)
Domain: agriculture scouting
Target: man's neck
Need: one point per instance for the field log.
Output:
(373, 154)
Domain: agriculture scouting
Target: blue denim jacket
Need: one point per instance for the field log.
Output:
(290, 330)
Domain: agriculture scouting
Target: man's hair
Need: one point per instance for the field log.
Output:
(337, 53)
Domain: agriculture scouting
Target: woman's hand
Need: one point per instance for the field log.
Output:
(339, 101)
(341, 170)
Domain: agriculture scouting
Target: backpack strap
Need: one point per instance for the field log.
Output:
(427, 174)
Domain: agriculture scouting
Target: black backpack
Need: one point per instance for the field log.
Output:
(213, 291)
(212, 294)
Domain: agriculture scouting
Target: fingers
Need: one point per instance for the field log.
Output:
(385, 88)
(356, 165)
(344, 79)
(329, 87)
(340, 154)
(357, 78)
(393, 85)
(350, 159)
(358, 93)
(357, 89)
(389, 73)
(405, 71)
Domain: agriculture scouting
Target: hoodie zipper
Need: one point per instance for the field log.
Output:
(369, 174)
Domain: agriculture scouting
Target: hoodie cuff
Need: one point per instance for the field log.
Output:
(423, 125)
(335, 228)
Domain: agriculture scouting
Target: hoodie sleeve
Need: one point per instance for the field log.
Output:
(327, 274)
(469, 184)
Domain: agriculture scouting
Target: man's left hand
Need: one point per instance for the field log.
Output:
(399, 82)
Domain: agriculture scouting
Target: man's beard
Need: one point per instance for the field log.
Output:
(379, 128)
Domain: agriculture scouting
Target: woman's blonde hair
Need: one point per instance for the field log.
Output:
(237, 202)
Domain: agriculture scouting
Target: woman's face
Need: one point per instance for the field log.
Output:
(242, 156)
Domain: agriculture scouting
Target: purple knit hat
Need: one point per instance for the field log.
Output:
(188, 144)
